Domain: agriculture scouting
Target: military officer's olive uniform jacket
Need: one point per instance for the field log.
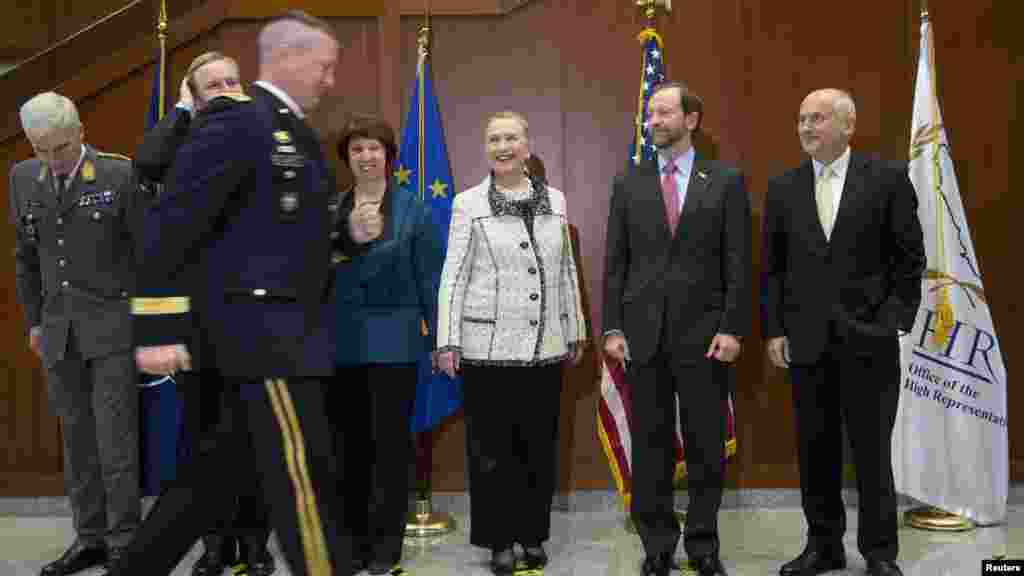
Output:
(75, 254)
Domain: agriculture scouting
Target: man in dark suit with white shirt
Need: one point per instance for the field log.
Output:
(677, 302)
(842, 257)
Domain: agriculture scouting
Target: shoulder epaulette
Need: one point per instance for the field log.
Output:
(113, 155)
(236, 96)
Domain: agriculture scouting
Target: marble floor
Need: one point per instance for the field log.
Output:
(755, 541)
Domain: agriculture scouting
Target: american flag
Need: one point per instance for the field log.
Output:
(652, 73)
(614, 409)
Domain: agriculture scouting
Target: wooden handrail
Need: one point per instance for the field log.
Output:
(67, 40)
(41, 72)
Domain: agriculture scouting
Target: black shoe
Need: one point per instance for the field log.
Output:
(535, 557)
(379, 568)
(657, 565)
(75, 559)
(259, 560)
(709, 566)
(813, 561)
(114, 554)
(503, 562)
(216, 557)
(884, 568)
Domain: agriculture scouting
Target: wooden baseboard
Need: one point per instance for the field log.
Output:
(28, 484)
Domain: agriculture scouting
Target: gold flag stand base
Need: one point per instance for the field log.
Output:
(936, 520)
(425, 523)
(680, 517)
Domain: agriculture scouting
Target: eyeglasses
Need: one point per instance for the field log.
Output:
(814, 118)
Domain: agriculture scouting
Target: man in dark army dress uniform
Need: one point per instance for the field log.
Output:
(241, 537)
(73, 210)
(244, 220)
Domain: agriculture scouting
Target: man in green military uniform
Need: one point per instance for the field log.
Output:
(73, 208)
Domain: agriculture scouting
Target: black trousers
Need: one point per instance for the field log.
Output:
(375, 442)
(273, 433)
(511, 433)
(203, 395)
(701, 389)
(864, 390)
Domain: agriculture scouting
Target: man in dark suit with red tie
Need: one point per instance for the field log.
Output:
(677, 302)
(843, 258)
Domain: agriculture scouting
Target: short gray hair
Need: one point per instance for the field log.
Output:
(293, 29)
(48, 112)
(842, 104)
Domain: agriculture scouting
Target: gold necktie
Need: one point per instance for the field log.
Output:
(823, 195)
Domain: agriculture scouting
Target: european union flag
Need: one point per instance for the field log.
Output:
(161, 427)
(423, 166)
(157, 96)
(652, 73)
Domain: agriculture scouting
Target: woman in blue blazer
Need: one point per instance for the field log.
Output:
(386, 282)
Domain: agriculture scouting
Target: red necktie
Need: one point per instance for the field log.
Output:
(671, 196)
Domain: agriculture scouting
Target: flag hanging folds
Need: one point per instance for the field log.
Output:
(423, 167)
(614, 411)
(950, 445)
(161, 425)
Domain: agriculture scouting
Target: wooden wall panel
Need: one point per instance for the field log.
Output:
(573, 68)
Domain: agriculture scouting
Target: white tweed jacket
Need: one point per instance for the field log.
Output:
(509, 297)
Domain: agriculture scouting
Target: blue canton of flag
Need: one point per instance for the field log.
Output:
(652, 73)
(423, 167)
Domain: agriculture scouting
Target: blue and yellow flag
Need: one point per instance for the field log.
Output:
(423, 167)
(158, 96)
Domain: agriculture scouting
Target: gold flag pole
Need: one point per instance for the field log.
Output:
(423, 522)
(161, 34)
(929, 517)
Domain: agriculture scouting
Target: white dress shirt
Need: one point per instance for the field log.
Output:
(838, 180)
(684, 167)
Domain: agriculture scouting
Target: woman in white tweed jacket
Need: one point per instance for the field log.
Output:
(509, 314)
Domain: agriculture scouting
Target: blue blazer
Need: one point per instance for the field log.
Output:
(384, 295)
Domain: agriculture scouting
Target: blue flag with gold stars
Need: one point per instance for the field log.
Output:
(423, 167)
(652, 73)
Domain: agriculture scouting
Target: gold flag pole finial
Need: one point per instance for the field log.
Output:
(161, 25)
(924, 9)
(423, 37)
(651, 7)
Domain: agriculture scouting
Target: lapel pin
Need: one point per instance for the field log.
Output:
(702, 175)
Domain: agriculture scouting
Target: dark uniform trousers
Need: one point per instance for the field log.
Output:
(864, 390)
(203, 394)
(97, 403)
(701, 389)
(511, 432)
(273, 434)
(370, 415)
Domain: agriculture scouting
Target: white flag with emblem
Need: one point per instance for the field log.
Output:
(950, 445)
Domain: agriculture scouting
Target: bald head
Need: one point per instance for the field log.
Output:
(828, 118)
(298, 54)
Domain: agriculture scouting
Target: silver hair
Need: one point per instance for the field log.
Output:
(48, 112)
(286, 33)
(842, 105)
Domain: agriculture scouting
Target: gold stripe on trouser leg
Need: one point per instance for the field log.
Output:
(310, 528)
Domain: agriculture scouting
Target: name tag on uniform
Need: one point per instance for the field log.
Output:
(96, 198)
